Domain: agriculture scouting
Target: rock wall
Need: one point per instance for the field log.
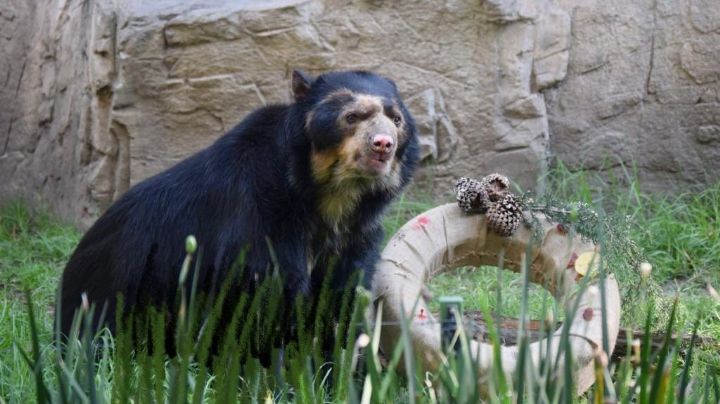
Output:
(57, 147)
(643, 88)
(99, 94)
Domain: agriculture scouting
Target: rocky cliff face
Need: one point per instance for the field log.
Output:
(98, 95)
(58, 146)
(643, 86)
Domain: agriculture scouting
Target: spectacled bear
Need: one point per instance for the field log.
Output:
(299, 186)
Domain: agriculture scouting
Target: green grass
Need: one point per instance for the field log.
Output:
(679, 232)
(478, 287)
(682, 240)
(680, 236)
(33, 251)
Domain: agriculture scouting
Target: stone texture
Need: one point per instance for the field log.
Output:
(641, 89)
(102, 94)
(551, 52)
(56, 148)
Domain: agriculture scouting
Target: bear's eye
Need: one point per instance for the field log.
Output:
(351, 118)
(397, 120)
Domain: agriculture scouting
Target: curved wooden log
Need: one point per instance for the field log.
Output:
(445, 238)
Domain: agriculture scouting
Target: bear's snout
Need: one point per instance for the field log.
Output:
(382, 144)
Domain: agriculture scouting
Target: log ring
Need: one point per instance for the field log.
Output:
(445, 238)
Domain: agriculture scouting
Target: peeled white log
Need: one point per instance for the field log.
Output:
(444, 238)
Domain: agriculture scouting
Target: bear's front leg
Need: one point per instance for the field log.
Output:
(334, 284)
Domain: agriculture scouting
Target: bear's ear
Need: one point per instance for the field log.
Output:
(301, 83)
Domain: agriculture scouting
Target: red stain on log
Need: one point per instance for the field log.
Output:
(421, 222)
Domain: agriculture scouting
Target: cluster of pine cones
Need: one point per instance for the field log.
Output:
(492, 197)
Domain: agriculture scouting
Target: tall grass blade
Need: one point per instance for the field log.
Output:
(659, 384)
(36, 363)
(645, 360)
(685, 378)
(409, 354)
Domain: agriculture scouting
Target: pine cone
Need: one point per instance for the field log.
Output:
(496, 185)
(471, 195)
(504, 217)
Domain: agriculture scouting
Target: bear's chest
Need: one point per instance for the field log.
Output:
(329, 240)
(337, 207)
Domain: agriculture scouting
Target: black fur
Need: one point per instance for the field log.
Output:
(252, 185)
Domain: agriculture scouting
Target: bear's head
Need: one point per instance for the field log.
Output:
(362, 135)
